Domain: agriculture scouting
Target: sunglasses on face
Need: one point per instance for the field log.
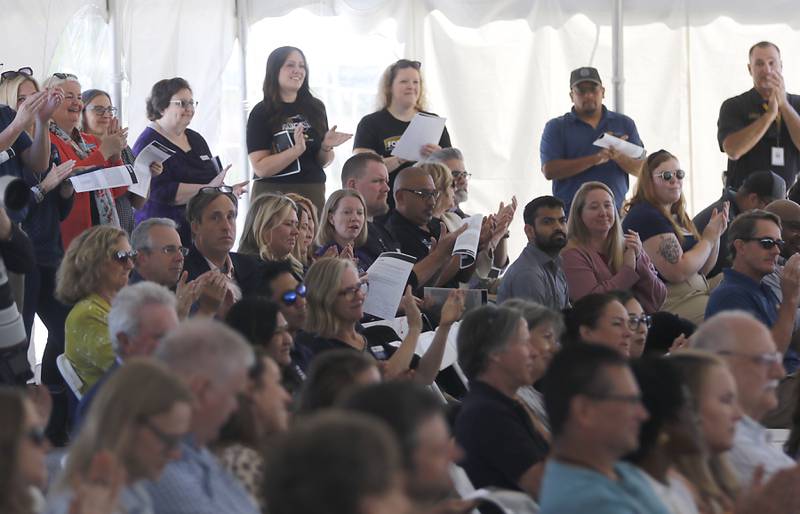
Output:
(26, 71)
(666, 176)
(290, 297)
(767, 243)
(122, 257)
(65, 76)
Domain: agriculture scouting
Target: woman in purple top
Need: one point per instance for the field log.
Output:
(170, 108)
(599, 258)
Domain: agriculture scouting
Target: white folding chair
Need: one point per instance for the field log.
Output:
(70, 376)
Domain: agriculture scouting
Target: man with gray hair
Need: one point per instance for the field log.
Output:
(160, 255)
(747, 346)
(141, 315)
(213, 361)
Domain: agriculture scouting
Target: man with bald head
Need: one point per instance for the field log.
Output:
(747, 346)
(413, 227)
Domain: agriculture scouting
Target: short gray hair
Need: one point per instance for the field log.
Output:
(125, 317)
(445, 154)
(720, 331)
(140, 237)
(536, 314)
(484, 331)
(207, 348)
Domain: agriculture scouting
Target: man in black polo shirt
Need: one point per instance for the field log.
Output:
(760, 129)
(367, 174)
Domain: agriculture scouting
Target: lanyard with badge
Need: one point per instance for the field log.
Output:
(776, 152)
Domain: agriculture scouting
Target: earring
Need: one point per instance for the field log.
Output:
(663, 438)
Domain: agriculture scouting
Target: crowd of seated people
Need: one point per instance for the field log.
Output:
(629, 360)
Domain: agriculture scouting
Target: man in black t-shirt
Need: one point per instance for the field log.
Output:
(760, 129)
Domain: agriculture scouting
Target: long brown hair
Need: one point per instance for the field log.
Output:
(646, 192)
(14, 497)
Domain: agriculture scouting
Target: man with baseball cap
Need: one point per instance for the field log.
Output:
(568, 155)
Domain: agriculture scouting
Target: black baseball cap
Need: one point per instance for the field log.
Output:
(766, 184)
(584, 74)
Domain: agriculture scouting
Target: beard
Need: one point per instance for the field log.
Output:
(461, 195)
(554, 243)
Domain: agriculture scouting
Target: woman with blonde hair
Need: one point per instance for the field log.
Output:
(343, 228)
(96, 266)
(682, 256)
(270, 230)
(136, 424)
(444, 184)
(599, 258)
(307, 226)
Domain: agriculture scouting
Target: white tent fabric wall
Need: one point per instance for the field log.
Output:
(497, 69)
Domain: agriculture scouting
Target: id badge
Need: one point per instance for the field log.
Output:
(777, 156)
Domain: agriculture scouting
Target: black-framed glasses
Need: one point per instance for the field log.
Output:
(36, 436)
(25, 71)
(458, 174)
(635, 321)
(350, 292)
(171, 250)
(102, 111)
(767, 243)
(764, 359)
(407, 63)
(216, 189)
(122, 257)
(65, 76)
(423, 194)
(170, 441)
(632, 399)
(185, 104)
(290, 297)
(666, 176)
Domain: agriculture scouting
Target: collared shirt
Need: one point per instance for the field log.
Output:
(569, 137)
(537, 276)
(197, 483)
(133, 499)
(570, 489)
(737, 291)
(499, 440)
(740, 111)
(752, 447)
(703, 217)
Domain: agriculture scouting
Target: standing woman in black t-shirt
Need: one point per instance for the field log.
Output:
(401, 96)
(289, 106)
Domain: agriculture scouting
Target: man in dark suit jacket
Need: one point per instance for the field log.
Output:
(212, 216)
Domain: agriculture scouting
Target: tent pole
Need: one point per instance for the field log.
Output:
(112, 7)
(242, 19)
(618, 80)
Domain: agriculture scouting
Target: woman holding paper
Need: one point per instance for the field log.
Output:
(599, 258)
(288, 138)
(681, 255)
(401, 95)
(192, 166)
(94, 207)
(343, 228)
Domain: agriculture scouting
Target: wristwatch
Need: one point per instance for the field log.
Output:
(38, 194)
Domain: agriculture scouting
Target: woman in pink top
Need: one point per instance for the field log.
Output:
(599, 258)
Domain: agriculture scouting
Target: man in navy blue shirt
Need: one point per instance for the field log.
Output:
(756, 242)
(568, 155)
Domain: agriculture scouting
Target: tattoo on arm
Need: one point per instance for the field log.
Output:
(669, 248)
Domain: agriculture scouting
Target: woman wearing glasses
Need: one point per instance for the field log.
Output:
(598, 318)
(401, 95)
(89, 151)
(681, 255)
(638, 321)
(192, 166)
(133, 430)
(288, 138)
(599, 258)
(96, 266)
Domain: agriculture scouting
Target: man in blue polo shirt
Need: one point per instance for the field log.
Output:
(568, 155)
(756, 243)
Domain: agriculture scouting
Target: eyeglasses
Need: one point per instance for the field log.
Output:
(121, 256)
(632, 399)
(423, 194)
(65, 76)
(185, 104)
(635, 321)
(765, 359)
(36, 436)
(170, 441)
(27, 71)
(171, 250)
(102, 111)
(216, 189)
(290, 297)
(350, 292)
(767, 243)
(457, 174)
(666, 176)
(406, 63)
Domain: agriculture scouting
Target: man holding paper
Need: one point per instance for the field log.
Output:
(568, 151)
